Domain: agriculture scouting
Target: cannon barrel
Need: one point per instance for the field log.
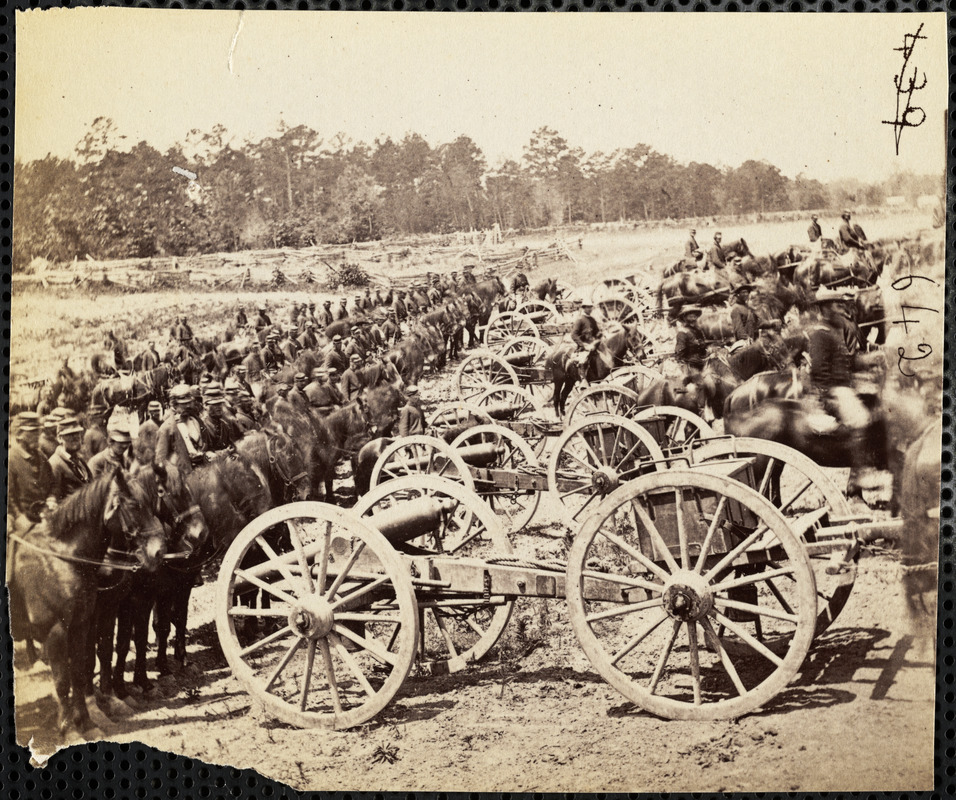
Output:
(480, 455)
(520, 359)
(502, 411)
(411, 519)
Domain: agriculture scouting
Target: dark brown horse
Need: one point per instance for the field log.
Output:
(104, 528)
(128, 604)
(618, 342)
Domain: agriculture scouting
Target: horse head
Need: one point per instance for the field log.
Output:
(130, 521)
(177, 509)
(289, 462)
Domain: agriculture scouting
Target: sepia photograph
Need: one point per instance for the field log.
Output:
(486, 402)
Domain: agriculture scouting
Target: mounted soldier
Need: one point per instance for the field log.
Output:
(691, 246)
(715, 255)
(30, 487)
(585, 333)
(220, 431)
(742, 317)
(67, 466)
(352, 379)
(324, 315)
(411, 419)
(94, 440)
(814, 232)
(262, 319)
(335, 357)
(690, 348)
(180, 441)
(321, 395)
(115, 456)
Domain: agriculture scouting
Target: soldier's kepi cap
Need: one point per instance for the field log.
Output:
(120, 435)
(69, 425)
(337, 337)
(28, 421)
(180, 393)
(214, 398)
(154, 405)
(690, 309)
(827, 295)
(411, 389)
(50, 422)
(300, 376)
(770, 325)
(355, 357)
(744, 287)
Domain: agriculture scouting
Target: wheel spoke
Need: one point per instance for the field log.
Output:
(694, 659)
(274, 559)
(587, 502)
(348, 598)
(283, 596)
(352, 664)
(265, 641)
(714, 523)
(345, 570)
(752, 608)
(245, 611)
(681, 530)
(648, 629)
(745, 637)
(634, 583)
(444, 632)
(582, 488)
(737, 551)
(283, 662)
(628, 608)
(756, 577)
(330, 675)
(796, 495)
(300, 555)
(638, 508)
(780, 598)
(374, 649)
(351, 616)
(665, 655)
(324, 563)
(726, 663)
(307, 678)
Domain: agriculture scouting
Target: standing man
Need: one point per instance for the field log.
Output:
(814, 231)
(744, 321)
(67, 466)
(180, 440)
(690, 348)
(411, 418)
(30, 479)
(113, 457)
(716, 255)
(340, 312)
(691, 246)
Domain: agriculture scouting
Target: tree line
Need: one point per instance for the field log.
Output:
(297, 188)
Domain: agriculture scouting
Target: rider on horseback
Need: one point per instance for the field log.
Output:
(586, 334)
(690, 348)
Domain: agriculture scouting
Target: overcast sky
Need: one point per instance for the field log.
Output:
(806, 92)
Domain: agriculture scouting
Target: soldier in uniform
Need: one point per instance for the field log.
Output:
(340, 312)
(262, 319)
(848, 236)
(742, 317)
(220, 431)
(48, 435)
(244, 411)
(29, 479)
(690, 348)
(336, 358)
(180, 440)
(297, 392)
(149, 429)
(399, 309)
(272, 356)
(391, 332)
(240, 374)
(94, 440)
(67, 466)
(585, 333)
(324, 315)
(322, 396)
(716, 255)
(353, 381)
(814, 232)
(411, 419)
(307, 339)
(116, 456)
(468, 275)
(241, 319)
(288, 346)
(690, 246)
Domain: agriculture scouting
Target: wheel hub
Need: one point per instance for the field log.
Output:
(605, 480)
(687, 597)
(311, 618)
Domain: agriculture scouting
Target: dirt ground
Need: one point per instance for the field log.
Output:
(859, 716)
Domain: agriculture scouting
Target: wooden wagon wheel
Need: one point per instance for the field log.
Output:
(611, 288)
(456, 630)
(540, 312)
(592, 458)
(570, 297)
(674, 428)
(420, 455)
(618, 309)
(329, 627)
(514, 400)
(602, 398)
(523, 351)
(708, 606)
(450, 419)
(480, 370)
(513, 504)
(507, 325)
(810, 501)
(635, 376)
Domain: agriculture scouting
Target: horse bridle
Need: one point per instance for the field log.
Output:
(289, 481)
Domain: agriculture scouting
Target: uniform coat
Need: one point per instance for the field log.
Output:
(69, 473)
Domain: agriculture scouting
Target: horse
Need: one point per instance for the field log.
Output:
(601, 361)
(230, 493)
(704, 288)
(106, 526)
(187, 532)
